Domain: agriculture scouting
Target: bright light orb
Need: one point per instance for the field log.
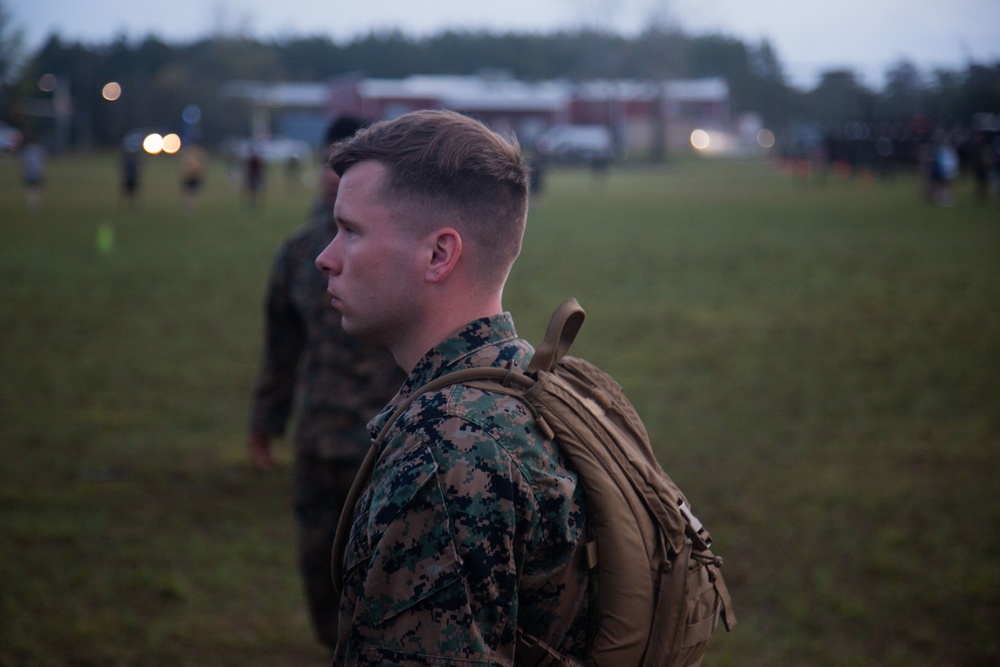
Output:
(171, 144)
(765, 138)
(152, 144)
(111, 91)
(700, 140)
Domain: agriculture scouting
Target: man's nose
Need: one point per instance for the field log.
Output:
(327, 261)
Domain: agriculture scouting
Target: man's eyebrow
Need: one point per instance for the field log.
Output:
(343, 219)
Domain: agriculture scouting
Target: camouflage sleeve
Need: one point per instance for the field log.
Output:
(284, 335)
(432, 567)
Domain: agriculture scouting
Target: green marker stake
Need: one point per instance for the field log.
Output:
(105, 238)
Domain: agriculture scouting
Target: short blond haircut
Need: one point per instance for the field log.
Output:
(443, 166)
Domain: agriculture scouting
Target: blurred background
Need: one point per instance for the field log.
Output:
(849, 81)
(782, 218)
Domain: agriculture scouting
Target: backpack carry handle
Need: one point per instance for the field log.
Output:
(563, 326)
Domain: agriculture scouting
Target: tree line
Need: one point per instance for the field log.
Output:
(160, 79)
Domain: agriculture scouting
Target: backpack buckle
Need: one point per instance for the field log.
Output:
(699, 536)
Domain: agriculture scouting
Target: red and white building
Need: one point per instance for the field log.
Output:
(645, 117)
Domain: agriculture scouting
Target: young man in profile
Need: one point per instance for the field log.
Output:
(471, 527)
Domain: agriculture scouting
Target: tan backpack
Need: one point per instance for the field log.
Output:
(659, 591)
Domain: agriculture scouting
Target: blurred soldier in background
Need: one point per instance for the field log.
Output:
(192, 174)
(130, 173)
(33, 157)
(337, 383)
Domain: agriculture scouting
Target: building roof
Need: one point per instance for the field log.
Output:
(706, 90)
(307, 95)
(470, 92)
(614, 89)
(481, 93)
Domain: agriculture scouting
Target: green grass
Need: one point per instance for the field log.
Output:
(818, 367)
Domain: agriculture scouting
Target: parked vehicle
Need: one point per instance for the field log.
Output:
(576, 143)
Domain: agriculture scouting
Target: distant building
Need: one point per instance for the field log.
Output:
(649, 117)
(644, 117)
(286, 110)
(505, 104)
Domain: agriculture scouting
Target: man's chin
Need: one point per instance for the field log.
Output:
(351, 326)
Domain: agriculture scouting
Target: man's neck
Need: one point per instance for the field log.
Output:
(439, 325)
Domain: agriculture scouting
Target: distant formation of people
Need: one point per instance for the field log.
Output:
(940, 156)
(944, 158)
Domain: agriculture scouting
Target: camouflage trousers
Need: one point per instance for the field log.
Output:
(320, 490)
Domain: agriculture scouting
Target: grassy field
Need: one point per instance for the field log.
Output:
(819, 367)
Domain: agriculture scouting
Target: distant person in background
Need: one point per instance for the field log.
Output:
(538, 165)
(33, 159)
(254, 177)
(944, 171)
(192, 176)
(338, 382)
(982, 166)
(234, 170)
(130, 174)
(925, 161)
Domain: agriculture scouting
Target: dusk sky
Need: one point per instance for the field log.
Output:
(867, 36)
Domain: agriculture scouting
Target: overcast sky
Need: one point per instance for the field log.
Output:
(867, 36)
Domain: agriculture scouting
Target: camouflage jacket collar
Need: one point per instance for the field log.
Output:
(490, 341)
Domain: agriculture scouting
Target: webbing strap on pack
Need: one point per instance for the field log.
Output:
(563, 326)
(533, 652)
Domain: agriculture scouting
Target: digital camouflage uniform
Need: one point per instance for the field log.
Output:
(336, 383)
(472, 525)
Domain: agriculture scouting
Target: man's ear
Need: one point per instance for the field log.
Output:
(446, 248)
